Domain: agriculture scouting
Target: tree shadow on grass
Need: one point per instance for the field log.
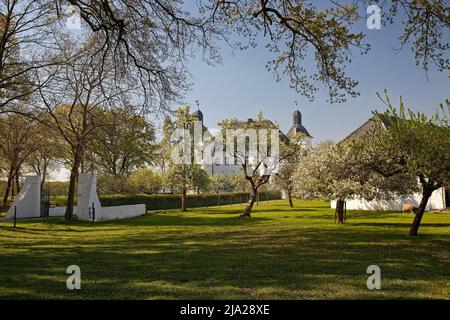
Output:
(404, 225)
(274, 262)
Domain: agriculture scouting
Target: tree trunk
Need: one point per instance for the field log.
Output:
(44, 173)
(340, 211)
(71, 194)
(426, 194)
(8, 186)
(248, 209)
(184, 200)
(289, 194)
(17, 182)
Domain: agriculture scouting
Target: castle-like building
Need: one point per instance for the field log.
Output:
(225, 168)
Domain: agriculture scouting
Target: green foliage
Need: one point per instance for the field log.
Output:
(146, 181)
(191, 177)
(57, 188)
(113, 184)
(221, 183)
(415, 143)
(240, 183)
(182, 176)
(124, 143)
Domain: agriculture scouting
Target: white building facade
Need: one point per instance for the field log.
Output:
(226, 167)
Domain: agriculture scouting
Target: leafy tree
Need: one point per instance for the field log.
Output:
(146, 181)
(124, 144)
(240, 184)
(152, 40)
(110, 184)
(284, 180)
(181, 178)
(412, 144)
(284, 176)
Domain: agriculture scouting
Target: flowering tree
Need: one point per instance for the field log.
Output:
(410, 144)
(336, 172)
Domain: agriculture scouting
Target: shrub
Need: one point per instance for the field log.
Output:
(173, 201)
(161, 202)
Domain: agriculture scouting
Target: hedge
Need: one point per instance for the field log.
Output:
(173, 201)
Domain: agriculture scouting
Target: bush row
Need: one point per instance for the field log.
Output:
(173, 201)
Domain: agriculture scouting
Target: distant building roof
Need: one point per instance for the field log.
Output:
(297, 126)
(371, 124)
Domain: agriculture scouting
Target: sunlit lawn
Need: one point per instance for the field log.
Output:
(209, 253)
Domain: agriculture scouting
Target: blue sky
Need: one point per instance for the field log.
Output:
(241, 87)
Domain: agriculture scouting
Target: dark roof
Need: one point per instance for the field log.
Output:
(198, 114)
(298, 128)
(266, 123)
(370, 124)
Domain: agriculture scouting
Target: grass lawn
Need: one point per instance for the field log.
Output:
(208, 253)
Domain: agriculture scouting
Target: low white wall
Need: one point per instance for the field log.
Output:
(60, 211)
(121, 212)
(436, 202)
(106, 213)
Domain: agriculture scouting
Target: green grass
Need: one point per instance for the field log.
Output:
(208, 253)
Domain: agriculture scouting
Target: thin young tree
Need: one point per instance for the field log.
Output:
(183, 173)
(251, 144)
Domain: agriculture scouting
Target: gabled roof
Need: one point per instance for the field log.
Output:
(370, 124)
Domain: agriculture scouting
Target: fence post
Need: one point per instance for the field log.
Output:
(92, 212)
(15, 214)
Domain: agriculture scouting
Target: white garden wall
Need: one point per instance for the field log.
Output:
(28, 201)
(436, 202)
(87, 197)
